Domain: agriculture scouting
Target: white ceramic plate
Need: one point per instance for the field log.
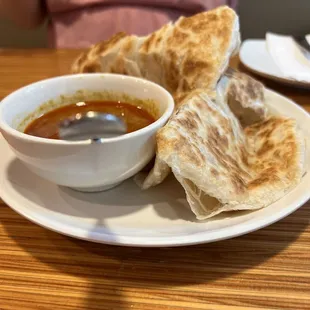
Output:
(128, 216)
(255, 57)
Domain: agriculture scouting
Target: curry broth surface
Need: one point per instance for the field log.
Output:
(46, 126)
(147, 106)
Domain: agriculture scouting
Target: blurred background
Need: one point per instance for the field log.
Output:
(256, 17)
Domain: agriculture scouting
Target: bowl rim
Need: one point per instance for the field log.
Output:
(5, 127)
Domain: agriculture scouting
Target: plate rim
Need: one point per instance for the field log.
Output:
(183, 240)
(133, 241)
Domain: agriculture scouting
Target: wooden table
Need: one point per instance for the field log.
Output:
(40, 269)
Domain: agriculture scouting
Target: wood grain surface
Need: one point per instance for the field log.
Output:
(40, 269)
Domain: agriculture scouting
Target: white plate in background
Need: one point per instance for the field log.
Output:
(255, 57)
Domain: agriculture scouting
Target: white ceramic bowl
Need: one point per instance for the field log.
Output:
(83, 165)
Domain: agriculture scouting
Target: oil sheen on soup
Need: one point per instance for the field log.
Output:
(46, 126)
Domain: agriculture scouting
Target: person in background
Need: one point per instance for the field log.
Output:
(81, 23)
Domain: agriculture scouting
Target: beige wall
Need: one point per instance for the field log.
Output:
(256, 17)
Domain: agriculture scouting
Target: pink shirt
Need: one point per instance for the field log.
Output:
(80, 23)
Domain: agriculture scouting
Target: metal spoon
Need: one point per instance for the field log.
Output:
(92, 125)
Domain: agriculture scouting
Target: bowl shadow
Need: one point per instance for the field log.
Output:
(127, 197)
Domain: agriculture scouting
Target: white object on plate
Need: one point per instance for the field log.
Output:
(288, 57)
(255, 57)
(84, 165)
(128, 216)
(308, 38)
